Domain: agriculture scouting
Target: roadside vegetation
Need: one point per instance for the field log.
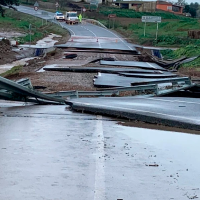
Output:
(14, 71)
(173, 32)
(16, 21)
(188, 51)
(170, 33)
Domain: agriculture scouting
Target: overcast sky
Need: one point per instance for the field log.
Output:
(187, 1)
(191, 1)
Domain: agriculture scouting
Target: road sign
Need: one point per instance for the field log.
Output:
(57, 4)
(112, 16)
(94, 2)
(84, 9)
(156, 19)
(36, 4)
(35, 8)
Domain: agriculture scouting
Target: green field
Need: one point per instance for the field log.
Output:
(17, 21)
(173, 32)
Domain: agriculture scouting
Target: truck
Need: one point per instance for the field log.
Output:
(71, 17)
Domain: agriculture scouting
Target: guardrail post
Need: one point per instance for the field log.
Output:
(77, 96)
(157, 89)
(174, 83)
(189, 82)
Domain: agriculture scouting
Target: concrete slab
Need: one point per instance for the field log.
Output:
(143, 65)
(96, 46)
(63, 68)
(143, 75)
(114, 80)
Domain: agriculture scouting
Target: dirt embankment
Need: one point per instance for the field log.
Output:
(6, 53)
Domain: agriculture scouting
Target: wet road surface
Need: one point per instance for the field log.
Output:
(49, 152)
(170, 111)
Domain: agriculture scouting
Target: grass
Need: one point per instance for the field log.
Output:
(170, 33)
(188, 51)
(133, 14)
(17, 21)
(14, 71)
(173, 32)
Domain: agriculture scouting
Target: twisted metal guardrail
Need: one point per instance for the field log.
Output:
(22, 90)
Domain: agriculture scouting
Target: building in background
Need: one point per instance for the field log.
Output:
(169, 7)
(149, 6)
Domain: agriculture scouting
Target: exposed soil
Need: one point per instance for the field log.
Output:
(6, 54)
(194, 73)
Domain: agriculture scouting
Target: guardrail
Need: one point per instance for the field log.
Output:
(174, 81)
(107, 92)
(93, 21)
(22, 90)
(177, 84)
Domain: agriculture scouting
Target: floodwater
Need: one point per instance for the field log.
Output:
(50, 152)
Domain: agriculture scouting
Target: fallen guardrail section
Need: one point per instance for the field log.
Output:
(22, 90)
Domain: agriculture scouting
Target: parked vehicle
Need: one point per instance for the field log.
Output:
(71, 17)
(59, 16)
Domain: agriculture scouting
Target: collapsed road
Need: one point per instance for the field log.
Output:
(51, 152)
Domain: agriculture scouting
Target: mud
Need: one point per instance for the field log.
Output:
(62, 81)
(10, 34)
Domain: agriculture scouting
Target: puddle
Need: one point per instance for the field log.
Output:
(46, 42)
(6, 67)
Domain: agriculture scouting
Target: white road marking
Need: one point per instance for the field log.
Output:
(178, 101)
(118, 37)
(99, 186)
(144, 111)
(151, 65)
(93, 34)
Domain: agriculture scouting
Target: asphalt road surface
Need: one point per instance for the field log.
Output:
(85, 34)
(171, 111)
(51, 153)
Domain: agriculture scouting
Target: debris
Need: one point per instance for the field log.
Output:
(70, 56)
(153, 165)
(194, 34)
(193, 197)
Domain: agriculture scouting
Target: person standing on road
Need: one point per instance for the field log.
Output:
(80, 18)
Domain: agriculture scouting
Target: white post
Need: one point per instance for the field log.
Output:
(30, 32)
(145, 28)
(157, 32)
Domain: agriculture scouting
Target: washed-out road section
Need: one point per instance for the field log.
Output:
(50, 152)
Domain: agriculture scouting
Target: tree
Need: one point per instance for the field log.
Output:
(192, 9)
(7, 3)
(181, 2)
